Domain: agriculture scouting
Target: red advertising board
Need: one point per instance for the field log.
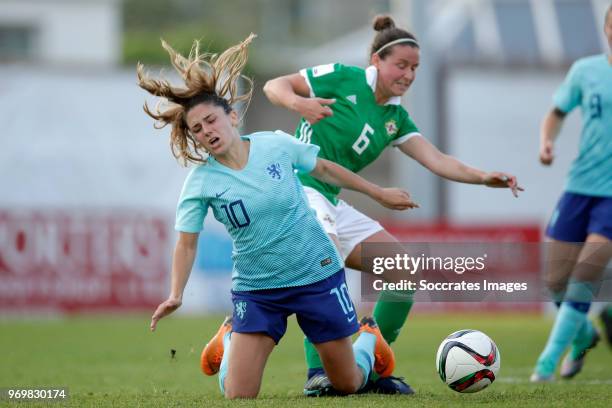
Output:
(446, 232)
(70, 261)
(479, 233)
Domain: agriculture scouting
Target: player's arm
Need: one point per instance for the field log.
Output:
(292, 92)
(332, 173)
(182, 262)
(450, 168)
(549, 130)
(567, 97)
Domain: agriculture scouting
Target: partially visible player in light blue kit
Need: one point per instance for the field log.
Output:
(284, 262)
(580, 228)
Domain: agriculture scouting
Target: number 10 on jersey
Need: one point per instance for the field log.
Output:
(230, 211)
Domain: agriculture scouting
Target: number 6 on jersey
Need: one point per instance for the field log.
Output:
(363, 141)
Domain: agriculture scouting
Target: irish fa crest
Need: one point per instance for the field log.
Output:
(391, 128)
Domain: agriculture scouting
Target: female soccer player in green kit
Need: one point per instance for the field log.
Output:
(353, 114)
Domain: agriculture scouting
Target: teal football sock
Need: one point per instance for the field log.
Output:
(224, 361)
(364, 354)
(583, 339)
(585, 333)
(567, 324)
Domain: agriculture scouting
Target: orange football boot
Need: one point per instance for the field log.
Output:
(212, 354)
(384, 359)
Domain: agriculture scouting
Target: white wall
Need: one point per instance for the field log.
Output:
(73, 139)
(493, 123)
(69, 32)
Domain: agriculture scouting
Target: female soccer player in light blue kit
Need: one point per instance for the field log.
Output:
(580, 228)
(284, 262)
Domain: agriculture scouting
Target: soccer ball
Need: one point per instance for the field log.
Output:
(468, 361)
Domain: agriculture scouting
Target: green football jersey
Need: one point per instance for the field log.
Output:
(360, 129)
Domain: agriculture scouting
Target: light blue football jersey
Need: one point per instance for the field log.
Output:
(589, 85)
(278, 241)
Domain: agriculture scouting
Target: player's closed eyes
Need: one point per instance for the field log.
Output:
(198, 128)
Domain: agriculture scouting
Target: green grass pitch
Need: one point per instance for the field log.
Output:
(116, 361)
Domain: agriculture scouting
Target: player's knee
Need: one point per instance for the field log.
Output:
(347, 385)
(556, 287)
(232, 391)
(236, 394)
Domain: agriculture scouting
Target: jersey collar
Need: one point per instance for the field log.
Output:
(371, 76)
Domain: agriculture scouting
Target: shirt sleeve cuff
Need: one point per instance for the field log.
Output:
(304, 74)
(404, 138)
(309, 159)
(191, 230)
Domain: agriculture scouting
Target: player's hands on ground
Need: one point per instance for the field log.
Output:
(502, 180)
(314, 109)
(164, 309)
(546, 153)
(395, 199)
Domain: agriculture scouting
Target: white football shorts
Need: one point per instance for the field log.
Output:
(349, 225)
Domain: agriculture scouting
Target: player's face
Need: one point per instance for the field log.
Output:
(398, 70)
(608, 28)
(214, 129)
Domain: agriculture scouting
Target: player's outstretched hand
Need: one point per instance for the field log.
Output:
(502, 180)
(314, 109)
(546, 153)
(396, 199)
(164, 309)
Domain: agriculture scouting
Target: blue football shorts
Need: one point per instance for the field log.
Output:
(577, 215)
(324, 310)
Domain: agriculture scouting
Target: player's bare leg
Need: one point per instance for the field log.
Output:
(572, 319)
(596, 254)
(248, 354)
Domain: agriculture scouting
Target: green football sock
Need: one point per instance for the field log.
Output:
(313, 360)
(609, 310)
(391, 311)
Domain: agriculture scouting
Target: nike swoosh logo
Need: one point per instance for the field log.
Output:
(351, 318)
(220, 194)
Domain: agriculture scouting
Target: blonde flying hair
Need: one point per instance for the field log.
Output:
(209, 78)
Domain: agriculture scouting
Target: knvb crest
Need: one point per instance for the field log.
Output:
(274, 170)
(241, 309)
